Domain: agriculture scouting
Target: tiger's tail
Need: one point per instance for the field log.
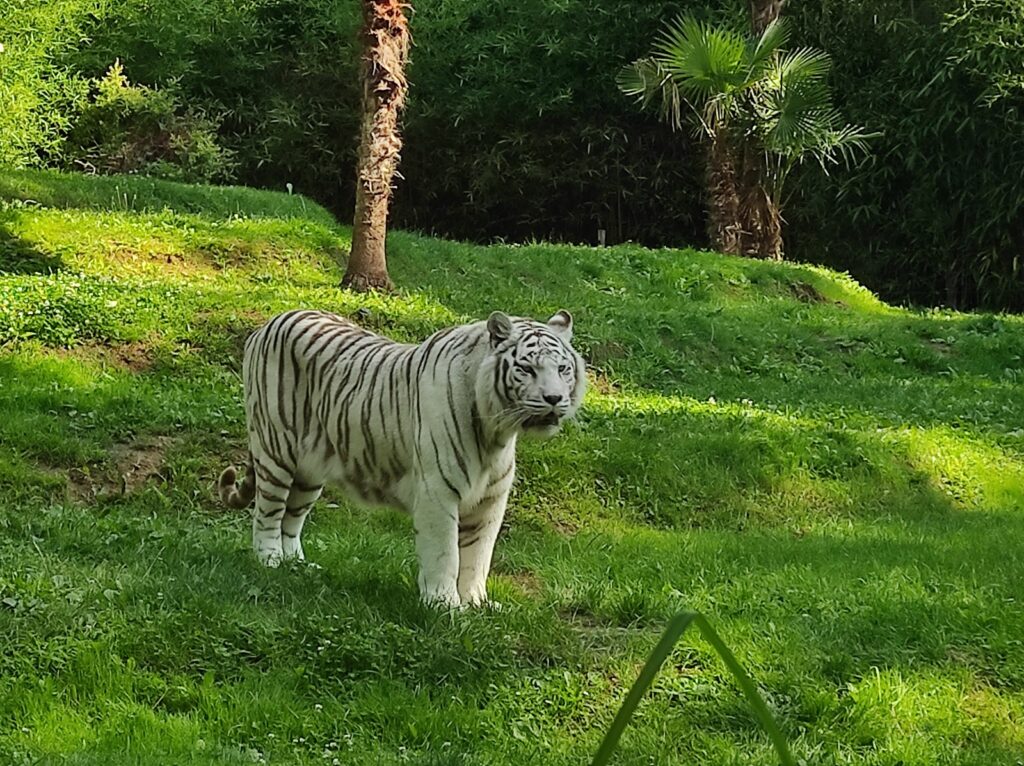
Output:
(237, 495)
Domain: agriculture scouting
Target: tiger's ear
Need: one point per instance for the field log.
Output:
(561, 324)
(499, 326)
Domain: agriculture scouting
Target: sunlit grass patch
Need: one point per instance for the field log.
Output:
(52, 189)
(166, 246)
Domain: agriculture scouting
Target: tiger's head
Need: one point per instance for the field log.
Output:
(539, 379)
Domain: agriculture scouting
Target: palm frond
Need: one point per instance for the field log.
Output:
(764, 50)
(794, 112)
(772, 100)
(844, 145)
(704, 61)
(647, 80)
(801, 66)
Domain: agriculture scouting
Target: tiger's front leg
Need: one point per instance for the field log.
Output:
(478, 531)
(436, 524)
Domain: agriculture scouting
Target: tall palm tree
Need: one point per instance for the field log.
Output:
(761, 109)
(385, 39)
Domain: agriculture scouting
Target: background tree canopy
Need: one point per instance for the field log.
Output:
(515, 128)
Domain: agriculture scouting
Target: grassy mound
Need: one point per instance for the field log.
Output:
(839, 484)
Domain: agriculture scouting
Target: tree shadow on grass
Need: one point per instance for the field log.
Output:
(676, 462)
(17, 256)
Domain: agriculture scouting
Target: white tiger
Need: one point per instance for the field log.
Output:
(430, 429)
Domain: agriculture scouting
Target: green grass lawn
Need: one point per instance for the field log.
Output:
(836, 483)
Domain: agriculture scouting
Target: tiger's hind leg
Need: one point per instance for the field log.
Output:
(273, 484)
(300, 502)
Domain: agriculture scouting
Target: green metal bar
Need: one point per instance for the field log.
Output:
(675, 630)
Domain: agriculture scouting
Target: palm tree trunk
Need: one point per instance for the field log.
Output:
(385, 38)
(767, 224)
(772, 241)
(724, 225)
(763, 13)
(761, 235)
(760, 217)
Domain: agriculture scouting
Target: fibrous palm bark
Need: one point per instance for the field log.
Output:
(385, 38)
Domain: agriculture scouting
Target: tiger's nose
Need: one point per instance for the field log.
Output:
(552, 398)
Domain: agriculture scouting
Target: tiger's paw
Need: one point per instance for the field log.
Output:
(442, 600)
(484, 604)
(270, 558)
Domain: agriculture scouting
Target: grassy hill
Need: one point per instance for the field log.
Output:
(837, 483)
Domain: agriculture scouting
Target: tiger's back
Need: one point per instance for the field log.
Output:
(324, 399)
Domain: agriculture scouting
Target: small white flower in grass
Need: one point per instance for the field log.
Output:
(318, 707)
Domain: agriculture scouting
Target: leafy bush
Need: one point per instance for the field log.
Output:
(283, 73)
(514, 128)
(135, 129)
(38, 98)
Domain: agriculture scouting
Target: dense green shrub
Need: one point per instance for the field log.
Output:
(514, 127)
(130, 128)
(282, 73)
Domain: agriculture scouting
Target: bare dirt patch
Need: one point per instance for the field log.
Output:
(526, 581)
(806, 293)
(128, 468)
(147, 257)
(136, 356)
(600, 382)
(564, 527)
(602, 353)
(940, 346)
